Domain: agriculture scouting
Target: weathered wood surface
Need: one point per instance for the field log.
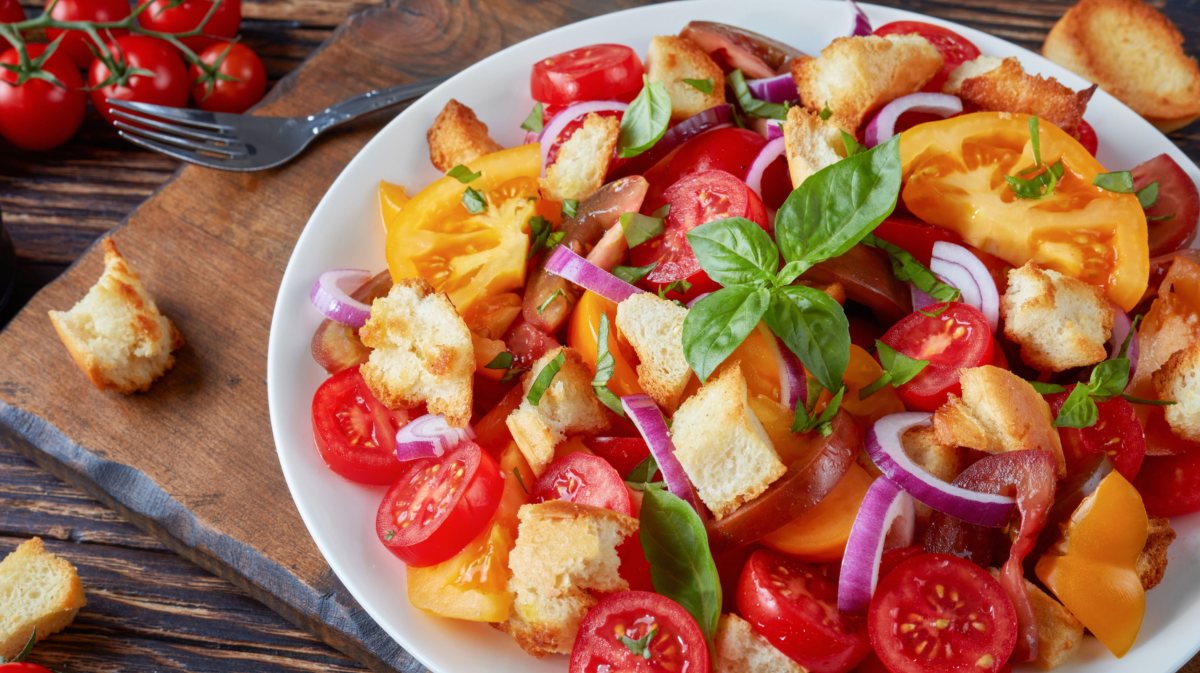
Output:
(205, 495)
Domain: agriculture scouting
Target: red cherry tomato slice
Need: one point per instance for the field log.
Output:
(951, 339)
(941, 614)
(585, 479)
(1170, 485)
(355, 433)
(596, 72)
(439, 505)
(729, 149)
(1177, 201)
(623, 453)
(1086, 135)
(527, 343)
(954, 48)
(1117, 433)
(794, 606)
(675, 646)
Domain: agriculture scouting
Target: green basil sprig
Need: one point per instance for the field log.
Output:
(906, 268)
(1040, 184)
(751, 105)
(604, 370)
(645, 121)
(898, 369)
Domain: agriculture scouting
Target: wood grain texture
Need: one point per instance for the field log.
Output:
(203, 229)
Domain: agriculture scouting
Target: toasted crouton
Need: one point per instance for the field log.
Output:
(740, 649)
(1059, 322)
(582, 160)
(723, 446)
(1059, 632)
(458, 137)
(812, 143)
(1135, 53)
(1003, 86)
(1152, 564)
(998, 412)
(942, 460)
(421, 352)
(564, 552)
(671, 60)
(39, 592)
(1178, 380)
(116, 334)
(654, 327)
(854, 76)
(569, 405)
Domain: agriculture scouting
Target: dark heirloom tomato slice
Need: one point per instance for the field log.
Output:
(639, 632)
(355, 433)
(940, 614)
(1178, 202)
(951, 336)
(336, 346)
(1117, 434)
(1170, 485)
(954, 48)
(866, 274)
(595, 72)
(585, 479)
(794, 606)
(491, 430)
(439, 505)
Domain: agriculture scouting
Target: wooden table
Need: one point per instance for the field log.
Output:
(149, 610)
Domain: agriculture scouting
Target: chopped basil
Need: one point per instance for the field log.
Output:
(544, 378)
(546, 304)
(640, 228)
(717, 324)
(542, 236)
(701, 85)
(1107, 380)
(633, 274)
(1141, 400)
(645, 120)
(825, 113)
(389, 535)
(1036, 181)
(898, 369)
(673, 286)
(501, 361)
(1148, 196)
(520, 479)
(463, 174)
(1117, 181)
(807, 419)
(906, 268)
(852, 145)
(1133, 326)
(474, 201)
(533, 123)
(569, 207)
(641, 646)
(644, 472)
(1047, 388)
(604, 370)
(751, 105)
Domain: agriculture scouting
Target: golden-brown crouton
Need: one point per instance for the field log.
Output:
(998, 412)
(854, 76)
(39, 593)
(1133, 52)
(1003, 86)
(654, 327)
(942, 460)
(1059, 632)
(421, 352)
(1178, 380)
(458, 137)
(672, 59)
(564, 553)
(723, 446)
(115, 333)
(582, 161)
(569, 405)
(739, 649)
(1152, 564)
(812, 143)
(1059, 322)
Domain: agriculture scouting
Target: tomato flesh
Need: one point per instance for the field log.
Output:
(584, 479)
(623, 453)
(1086, 135)
(954, 48)
(1117, 433)
(935, 613)
(439, 505)
(727, 149)
(676, 644)
(951, 336)
(595, 72)
(1178, 202)
(1170, 485)
(356, 433)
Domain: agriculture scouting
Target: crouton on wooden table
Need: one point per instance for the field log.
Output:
(811, 143)
(739, 649)
(1059, 322)
(38, 591)
(654, 327)
(116, 333)
(458, 137)
(582, 161)
(1002, 85)
(670, 61)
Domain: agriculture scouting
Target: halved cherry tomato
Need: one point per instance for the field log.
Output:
(954, 48)
(894, 557)
(951, 336)
(940, 614)
(583, 334)
(356, 433)
(439, 505)
(696, 199)
(1177, 201)
(727, 149)
(1086, 135)
(819, 534)
(794, 606)
(527, 343)
(1117, 433)
(675, 644)
(596, 72)
(491, 430)
(585, 479)
(1170, 485)
(623, 453)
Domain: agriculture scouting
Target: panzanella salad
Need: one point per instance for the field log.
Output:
(749, 359)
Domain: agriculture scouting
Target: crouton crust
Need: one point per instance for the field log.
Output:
(40, 593)
(812, 143)
(739, 649)
(1008, 88)
(582, 161)
(458, 137)
(1059, 632)
(1178, 380)
(654, 327)
(1152, 564)
(942, 460)
(1059, 322)
(670, 60)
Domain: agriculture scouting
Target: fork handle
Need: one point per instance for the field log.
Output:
(371, 101)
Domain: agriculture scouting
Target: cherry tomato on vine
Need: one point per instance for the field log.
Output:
(173, 16)
(11, 12)
(75, 44)
(167, 86)
(238, 82)
(22, 667)
(38, 114)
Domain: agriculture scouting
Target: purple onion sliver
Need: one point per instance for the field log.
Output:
(565, 263)
(919, 299)
(882, 126)
(862, 25)
(777, 89)
(648, 420)
(569, 114)
(332, 300)
(793, 385)
(958, 266)
(429, 436)
(766, 156)
(1121, 327)
(885, 448)
(885, 508)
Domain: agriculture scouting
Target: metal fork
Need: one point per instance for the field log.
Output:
(240, 142)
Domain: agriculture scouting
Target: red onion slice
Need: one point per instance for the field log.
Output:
(958, 266)
(554, 129)
(862, 25)
(777, 89)
(885, 448)
(648, 420)
(715, 117)
(1121, 327)
(566, 263)
(883, 126)
(793, 385)
(767, 128)
(919, 299)
(766, 156)
(429, 436)
(886, 507)
(328, 295)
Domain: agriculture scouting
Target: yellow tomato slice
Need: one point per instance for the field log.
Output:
(583, 334)
(469, 256)
(392, 198)
(760, 360)
(820, 533)
(862, 371)
(954, 177)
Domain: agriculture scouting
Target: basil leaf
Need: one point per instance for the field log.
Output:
(644, 472)
(463, 174)
(901, 367)
(533, 123)
(681, 564)
(1109, 378)
(1078, 410)
(633, 274)
(1141, 400)
(815, 328)
(544, 379)
(908, 269)
(1147, 196)
(474, 201)
(790, 272)
(825, 113)
(680, 286)
(806, 421)
(751, 105)
(717, 324)
(520, 480)
(839, 205)
(640, 228)
(1047, 388)
(645, 121)
(501, 361)
(542, 235)
(701, 85)
(641, 646)
(604, 370)
(734, 251)
(1041, 185)
(851, 145)
(1133, 327)
(1117, 181)
(549, 300)
(1035, 139)
(570, 207)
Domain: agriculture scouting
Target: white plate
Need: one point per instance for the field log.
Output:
(345, 231)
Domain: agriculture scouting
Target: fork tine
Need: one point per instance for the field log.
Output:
(230, 152)
(182, 115)
(190, 157)
(184, 131)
